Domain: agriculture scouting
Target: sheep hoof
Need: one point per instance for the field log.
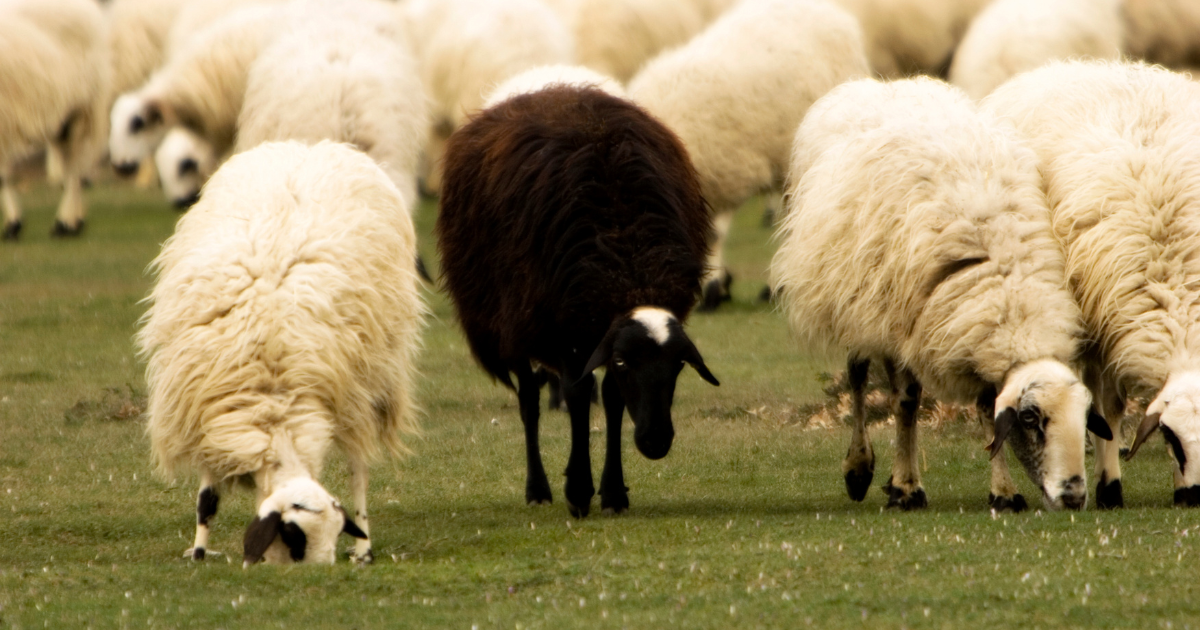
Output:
(12, 230)
(1015, 504)
(579, 503)
(200, 553)
(1109, 494)
(62, 230)
(905, 499)
(716, 291)
(1187, 497)
(612, 504)
(858, 480)
(538, 493)
(364, 559)
(766, 295)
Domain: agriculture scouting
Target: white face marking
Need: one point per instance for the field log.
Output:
(127, 145)
(1179, 404)
(656, 320)
(185, 161)
(307, 504)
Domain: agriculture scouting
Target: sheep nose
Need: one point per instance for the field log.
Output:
(125, 169)
(183, 203)
(1074, 493)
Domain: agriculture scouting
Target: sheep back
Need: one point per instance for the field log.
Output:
(286, 300)
(562, 210)
(1120, 148)
(922, 236)
(737, 91)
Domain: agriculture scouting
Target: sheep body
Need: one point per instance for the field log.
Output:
(139, 31)
(1120, 146)
(906, 37)
(1163, 31)
(1012, 36)
(54, 76)
(571, 222)
(736, 93)
(541, 77)
(286, 308)
(917, 233)
(616, 37)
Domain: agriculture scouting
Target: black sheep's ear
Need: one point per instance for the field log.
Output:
(603, 352)
(259, 535)
(692, 356)
(1004, 423)
(1098, 425)
(350, 527)
(1148, 426)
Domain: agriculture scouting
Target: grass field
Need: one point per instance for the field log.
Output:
(744, 524)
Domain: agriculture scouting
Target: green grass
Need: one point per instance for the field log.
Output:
(745, 524)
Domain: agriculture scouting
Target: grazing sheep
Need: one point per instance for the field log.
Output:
(195, 17)
(200, 87)
(1012, 36)
(467, 47)
(286, 318)
(907, 37)
(1163, 31)
(138, 38)
(54, 77)
(1119, 146)
(341, 82)
(537, 79)
(917, 234)
(736, 93)
(184, 162)
(573, 235)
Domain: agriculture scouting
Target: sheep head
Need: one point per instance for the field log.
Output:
(1176, 411)
(185, 161)
(1044, 412)
(138, 124)
(299, 522)
(645, 351)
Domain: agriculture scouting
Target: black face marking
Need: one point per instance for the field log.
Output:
(295, 539)
(137, 124)
(206, 506)
(1176, 446)
(259, 536)
(188, 166)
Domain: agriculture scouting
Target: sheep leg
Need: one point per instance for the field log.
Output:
(904, 488)
(717, 281)
(1109, 493)
(359, 475)
(579, 487)
(12, 210)
(1003, 495)
(614, 496)
(529, 389)
(858, 467)
(206, 508)
(69, 143)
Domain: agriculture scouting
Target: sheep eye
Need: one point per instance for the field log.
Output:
(188, 166)
(137, 124)
(304, 508)
(1029, 417)
(619, 363)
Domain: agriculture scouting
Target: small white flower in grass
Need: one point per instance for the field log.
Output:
(582, 602)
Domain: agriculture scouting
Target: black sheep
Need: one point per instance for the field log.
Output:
(573, 236)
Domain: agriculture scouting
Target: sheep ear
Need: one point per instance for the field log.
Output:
(603, 352)
(350, 527)
(1148, 426)
(259, 535)
(1098, 425)
(692, 356)
(1004, 423)
(154, 113)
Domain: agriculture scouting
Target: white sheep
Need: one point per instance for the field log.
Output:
(917, 233)
(1163, 31)
(906, 37)
(195, 17)
(616, 37)
(467, 47)
(54, 77)
(1012, 36)
(138, 33)
(1119, 146)
(286, 318)
(736, 93)
(341, 82)
(541, 77)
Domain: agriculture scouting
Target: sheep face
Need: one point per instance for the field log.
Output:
(1176, 411)
(1044, 412)
(137, 127)
(645, 352)
(299, 522)
(185, 161)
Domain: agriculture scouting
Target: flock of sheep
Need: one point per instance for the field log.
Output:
(1025, 236)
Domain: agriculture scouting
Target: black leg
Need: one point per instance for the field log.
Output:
(579, 487)
(537, 486)
(858, 468)
(206, 508)
(614, 496)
